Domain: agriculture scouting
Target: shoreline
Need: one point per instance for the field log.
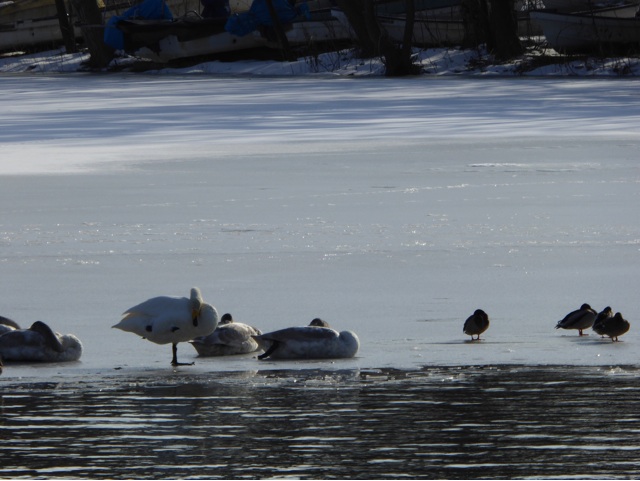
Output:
(434, 62)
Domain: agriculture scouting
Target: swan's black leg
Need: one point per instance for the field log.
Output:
(174, 361)
(269, 351)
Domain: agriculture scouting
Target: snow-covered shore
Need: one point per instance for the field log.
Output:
(434, 62)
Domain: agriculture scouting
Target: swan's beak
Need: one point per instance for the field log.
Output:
(194, 316)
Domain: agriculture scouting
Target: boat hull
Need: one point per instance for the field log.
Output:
(576, 33)
(168, 40)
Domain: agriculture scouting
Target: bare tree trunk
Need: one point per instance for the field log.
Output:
(503, 24)
(374, 41)
(476, 23)
(354, 10)
(93, 32)
(494, 23)
(407, 39)
(65, 27)
(283, 41)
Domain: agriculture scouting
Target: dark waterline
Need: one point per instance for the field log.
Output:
(449, 422)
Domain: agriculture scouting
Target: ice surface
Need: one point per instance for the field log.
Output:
(393, 208)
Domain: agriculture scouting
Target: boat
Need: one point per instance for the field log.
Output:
(588, 33)
(27, 24)
(398, 7)
(443, 23)
(165, 41)
(574, 6)
(428, 31)
(30, 34)
(190, 36)
(319, 28)
(34, 24)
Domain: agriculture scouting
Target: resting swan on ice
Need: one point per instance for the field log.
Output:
(170, 320)
(39, 343)
(228, 339)
(310, 342)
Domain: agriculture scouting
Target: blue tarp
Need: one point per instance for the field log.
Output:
(149, 9)
(258, 15)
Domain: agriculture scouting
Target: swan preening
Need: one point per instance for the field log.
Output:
(228, 339)
(170, 320)
(309, 342)
(38, 344)
(476, 324)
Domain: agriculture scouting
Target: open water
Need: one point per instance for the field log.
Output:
(437, 422)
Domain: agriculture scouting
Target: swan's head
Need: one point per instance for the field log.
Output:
(72, 347)
(351, 343)
(207, 319)
(196, 304)
(226, 319)
(317, 322)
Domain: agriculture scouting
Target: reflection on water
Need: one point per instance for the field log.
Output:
(491, 422)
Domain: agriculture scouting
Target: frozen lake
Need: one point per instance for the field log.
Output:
(393, 208)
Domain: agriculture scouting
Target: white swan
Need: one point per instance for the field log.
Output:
(579, 319)
(310, 342)
(170, 320)
(39, 343)
(228, 339)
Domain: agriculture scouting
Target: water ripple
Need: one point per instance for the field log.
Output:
(474, 422)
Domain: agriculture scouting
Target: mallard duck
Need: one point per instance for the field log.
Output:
(39, 343)
(308, 342)
(614, 327)
(601, 318)
(476, 324)
(580, 319)
(229, 338)
(165, 320)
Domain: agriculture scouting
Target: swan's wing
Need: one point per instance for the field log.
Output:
(155, 314)
(22, 345)
(50, 338)
(234, 334)
(301, 334)
(4, 328)
(157, 306)
(19, 337)
(5, 321)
